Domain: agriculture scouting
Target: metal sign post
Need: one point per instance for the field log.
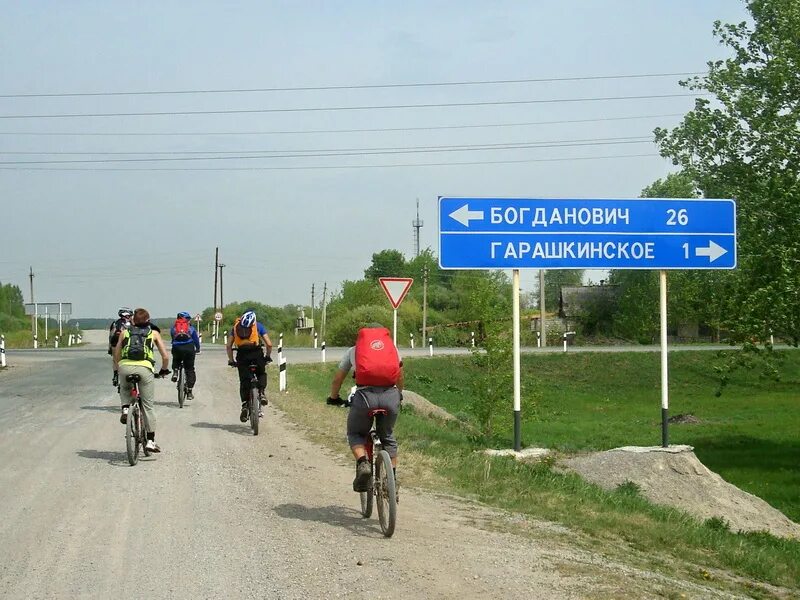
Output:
(662, 278)
(517, 369)
(396, 289)
(549, 233)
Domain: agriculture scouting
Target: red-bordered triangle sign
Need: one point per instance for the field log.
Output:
(396, 288)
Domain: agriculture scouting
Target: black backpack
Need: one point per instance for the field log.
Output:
(137, 342)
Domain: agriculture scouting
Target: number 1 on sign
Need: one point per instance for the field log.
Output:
(686, 250)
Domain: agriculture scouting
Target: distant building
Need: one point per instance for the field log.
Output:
(575, 300)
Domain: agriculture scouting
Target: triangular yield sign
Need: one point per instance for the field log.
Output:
(396, 288)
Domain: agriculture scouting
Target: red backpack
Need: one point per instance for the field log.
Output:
(377, 361)
(182, 333)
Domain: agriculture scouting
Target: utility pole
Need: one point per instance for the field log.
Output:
(221, 301)
(424, 302)
(542, 326)
(312, 306)
(216, 272)
(33, 316)
(324, 307)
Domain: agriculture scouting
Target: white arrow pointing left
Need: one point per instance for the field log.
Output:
(464, 215)
(713, 251)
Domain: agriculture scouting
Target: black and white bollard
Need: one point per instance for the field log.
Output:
(35, 342)
(538, 339)
(80, 338)
(472, 339)
(430, 346)
(412, 340)
(280, 348)
(56, 342)
(315, 340)
(323, 351)
(282, 374)
(567, 333)
(3, 351)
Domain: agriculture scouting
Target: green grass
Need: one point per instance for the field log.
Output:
(585, 401)
(578, 402)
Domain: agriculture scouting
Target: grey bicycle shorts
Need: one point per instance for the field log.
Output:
(359, 422)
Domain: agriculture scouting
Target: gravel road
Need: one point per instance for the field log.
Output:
(223, 514)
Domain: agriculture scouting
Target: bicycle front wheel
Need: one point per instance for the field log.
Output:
(386, 493)
(181, 389)
(132, 435)
(366, 503)
(255, 408)
(143, 431)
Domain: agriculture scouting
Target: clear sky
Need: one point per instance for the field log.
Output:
(144, 232)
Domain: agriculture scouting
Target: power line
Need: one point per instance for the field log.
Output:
(321, 154)
(443, 148)
(349, 108)
(318, 131)
(348, 87)
(327, 167)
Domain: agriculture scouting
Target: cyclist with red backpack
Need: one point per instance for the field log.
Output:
(248, 335)
(379, 384)
(185, 345)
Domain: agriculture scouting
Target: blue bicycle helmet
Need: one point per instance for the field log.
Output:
(184, 315)
(248, 318)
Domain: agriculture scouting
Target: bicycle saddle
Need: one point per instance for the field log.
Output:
(133, 378)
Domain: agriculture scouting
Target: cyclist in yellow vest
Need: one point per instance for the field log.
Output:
(248, 335)
(134, 354)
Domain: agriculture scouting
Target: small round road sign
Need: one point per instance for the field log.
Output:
(218, 316)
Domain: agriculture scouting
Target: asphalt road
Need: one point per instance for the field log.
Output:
(223, 514)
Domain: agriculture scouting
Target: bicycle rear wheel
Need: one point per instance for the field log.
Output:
(143, 432)
(181, 389)
(255, 408)
(132, 435)
(385, 492)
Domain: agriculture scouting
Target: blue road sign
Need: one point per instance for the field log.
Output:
(548, 233)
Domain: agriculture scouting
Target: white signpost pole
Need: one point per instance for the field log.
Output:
(664, 362)
(517, 370)
(394, 327)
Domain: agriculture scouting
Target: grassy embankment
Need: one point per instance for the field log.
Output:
(580, 402)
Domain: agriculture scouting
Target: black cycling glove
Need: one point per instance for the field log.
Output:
(335, 401)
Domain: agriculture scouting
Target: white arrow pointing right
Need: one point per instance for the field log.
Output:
(713, 251)
(464, 215)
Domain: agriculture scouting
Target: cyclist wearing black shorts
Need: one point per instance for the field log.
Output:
(381, 388)
(248, 335)
(185, 345)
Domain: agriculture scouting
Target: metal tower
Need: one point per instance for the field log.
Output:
(417, 225)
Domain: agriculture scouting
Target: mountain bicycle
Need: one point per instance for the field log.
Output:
(383, 488)
(135, 428)
(256, 397)
(181, 385)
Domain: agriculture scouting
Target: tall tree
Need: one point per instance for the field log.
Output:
(744, 143)
(386, 263)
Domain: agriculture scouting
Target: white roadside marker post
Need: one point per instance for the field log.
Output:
(323, 351)
(430, 346)
(412, 340)
(3, 351)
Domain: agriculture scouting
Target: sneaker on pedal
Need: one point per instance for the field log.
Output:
(363, 480)
(174, 377)
(263, 399)
(243, 416)
(151, 446)
(189, 394)
(123, 418)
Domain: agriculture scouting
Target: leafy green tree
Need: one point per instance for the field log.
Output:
(744, 142)
(386, 263)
